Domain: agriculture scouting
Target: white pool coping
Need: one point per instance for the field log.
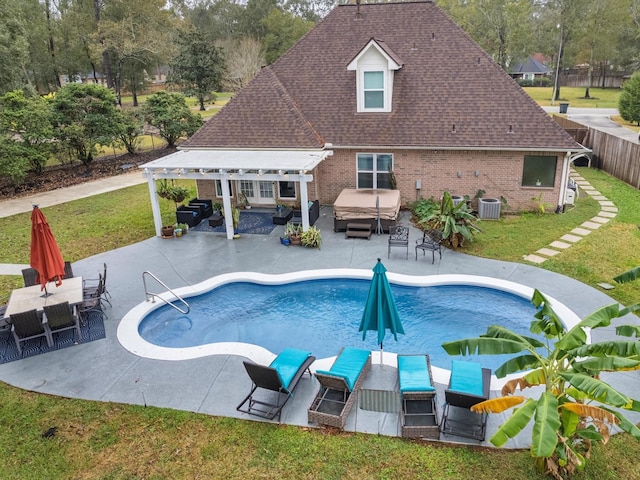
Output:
(130, 339)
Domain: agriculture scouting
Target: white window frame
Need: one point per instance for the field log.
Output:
(219, 189)
(374, 171)
(365, 90)
(295, 190)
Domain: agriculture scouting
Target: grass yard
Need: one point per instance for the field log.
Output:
(113, 441)
(600, 97)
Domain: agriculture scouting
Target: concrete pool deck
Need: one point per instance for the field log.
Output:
(103, 370)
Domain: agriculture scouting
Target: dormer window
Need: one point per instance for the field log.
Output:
(374, 65)
(373, 90)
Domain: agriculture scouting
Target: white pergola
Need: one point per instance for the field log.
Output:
(224, 165)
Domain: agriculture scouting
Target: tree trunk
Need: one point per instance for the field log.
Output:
(52, 51)
(106, 60)
(201, 99)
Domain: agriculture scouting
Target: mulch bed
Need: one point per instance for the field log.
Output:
(60, 176)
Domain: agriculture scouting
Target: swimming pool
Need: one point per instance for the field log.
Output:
(130, 338)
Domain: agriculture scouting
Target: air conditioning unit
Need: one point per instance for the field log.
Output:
(570, 197)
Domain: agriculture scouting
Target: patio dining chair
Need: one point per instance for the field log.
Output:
(398, 237)
(92, 299)
(431, 241)
(60, 317)
(91, 285)
(28, 325)
(68, 270)
(30, 276)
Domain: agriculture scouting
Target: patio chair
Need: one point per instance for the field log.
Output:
(28, 325)
(30, 276)
(92, 298)
(91, 286)
(281, 376)
(418, 414)
(469, 384)
(398, 237)
(432, 241)
(60, 317)
(68, 271)
(338, 387)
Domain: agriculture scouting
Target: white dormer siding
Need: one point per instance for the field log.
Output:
(374, 78)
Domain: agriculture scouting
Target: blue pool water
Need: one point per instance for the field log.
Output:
(324, 315)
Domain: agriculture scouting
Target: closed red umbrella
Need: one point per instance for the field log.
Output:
(45, 253)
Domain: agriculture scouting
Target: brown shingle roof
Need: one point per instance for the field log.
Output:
(308, 97)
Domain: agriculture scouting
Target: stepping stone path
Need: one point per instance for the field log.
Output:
(608, 210)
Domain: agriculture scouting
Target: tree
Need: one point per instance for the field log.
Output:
(84, 117)
(503, 28)
(131, 126)
(13, 47)
(244, 60)
(25, 123)
(198, 66)
(629, 101)
(136, 34)
(575, 407)
(169, 113)
(282, 31)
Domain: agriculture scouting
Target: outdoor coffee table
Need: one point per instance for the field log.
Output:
(282, 216)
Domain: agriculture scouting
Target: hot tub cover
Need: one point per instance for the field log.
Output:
(353, 204)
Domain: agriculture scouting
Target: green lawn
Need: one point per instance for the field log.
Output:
(600, 98)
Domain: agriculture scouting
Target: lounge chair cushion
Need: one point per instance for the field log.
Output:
(466, 377)
(413, 373)
(348, 365)
(288, 363)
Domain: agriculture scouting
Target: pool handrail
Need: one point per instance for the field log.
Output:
(150, 296)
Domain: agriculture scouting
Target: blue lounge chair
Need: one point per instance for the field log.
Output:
(418, 416)
(335, 398)
(281, 376)
(469, 384)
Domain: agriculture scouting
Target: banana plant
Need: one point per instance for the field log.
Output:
(575, 407)
(456, 222)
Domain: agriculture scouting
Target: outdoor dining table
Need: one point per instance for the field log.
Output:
(28, 298)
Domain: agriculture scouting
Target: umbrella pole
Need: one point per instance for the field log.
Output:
(380, 353)
(46, 293)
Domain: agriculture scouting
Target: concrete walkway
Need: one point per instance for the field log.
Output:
(24, 204)
(608, 211)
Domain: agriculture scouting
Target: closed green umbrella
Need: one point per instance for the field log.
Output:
(380, 312)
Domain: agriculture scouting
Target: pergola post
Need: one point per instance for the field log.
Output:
(226, 204)
(155, 204)
(304, 202)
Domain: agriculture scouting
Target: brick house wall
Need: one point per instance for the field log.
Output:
(499, 174)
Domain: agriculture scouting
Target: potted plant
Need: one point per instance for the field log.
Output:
(173, 192)
(167, 231)
(311, 238)
(294, 232)
(243, 201)
(217, 207)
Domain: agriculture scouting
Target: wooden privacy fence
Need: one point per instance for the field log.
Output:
(575, 129)
(616, 156)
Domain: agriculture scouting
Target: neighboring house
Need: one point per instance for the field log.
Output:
(374, 89)
(531, 69)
